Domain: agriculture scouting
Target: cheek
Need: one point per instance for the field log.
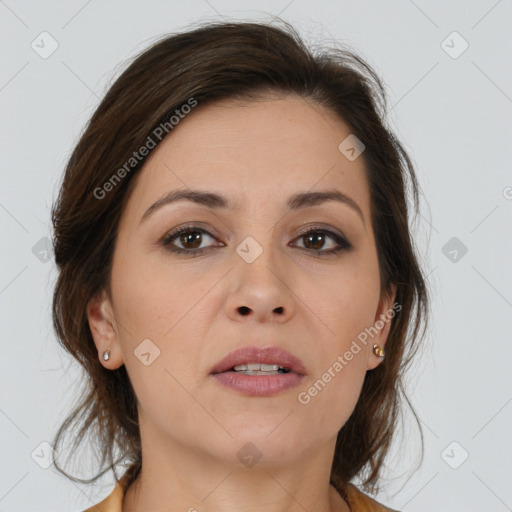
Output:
(330, 397)
(151, 311)
(164, 304)
(346, 306)
(152, 296)
(346, 303)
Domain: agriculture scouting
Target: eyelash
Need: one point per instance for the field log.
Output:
(343, 244)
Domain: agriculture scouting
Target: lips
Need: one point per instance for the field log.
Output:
(265, 355)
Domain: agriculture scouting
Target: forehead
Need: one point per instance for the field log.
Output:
(253, 151)
(273, 125)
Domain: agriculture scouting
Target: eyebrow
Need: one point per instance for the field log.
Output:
(216, 201)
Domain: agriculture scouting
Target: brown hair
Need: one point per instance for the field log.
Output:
(207, 63)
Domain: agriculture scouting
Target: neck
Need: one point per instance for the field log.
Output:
(183, 478)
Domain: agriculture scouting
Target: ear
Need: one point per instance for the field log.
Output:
(386, 310)
(104, 330)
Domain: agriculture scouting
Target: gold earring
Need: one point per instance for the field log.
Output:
(378, 350)
(106, 355)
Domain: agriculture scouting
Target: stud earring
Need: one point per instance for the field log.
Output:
(378, 350)
(106, 355)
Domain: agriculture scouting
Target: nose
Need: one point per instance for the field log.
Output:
(260, 291)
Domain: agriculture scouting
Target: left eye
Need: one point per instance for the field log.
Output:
(318, 237)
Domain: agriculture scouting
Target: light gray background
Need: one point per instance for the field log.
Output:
(453, 115)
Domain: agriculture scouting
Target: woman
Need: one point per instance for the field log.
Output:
(237, 276)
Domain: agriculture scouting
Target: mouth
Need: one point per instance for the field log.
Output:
(257, 371)
(254, 361)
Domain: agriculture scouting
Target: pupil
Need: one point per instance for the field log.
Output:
(319, 240)
(191, 237)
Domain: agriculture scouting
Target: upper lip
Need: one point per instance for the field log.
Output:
(266, 355)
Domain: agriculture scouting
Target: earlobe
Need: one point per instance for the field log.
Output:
(104, 331)
(383, 318)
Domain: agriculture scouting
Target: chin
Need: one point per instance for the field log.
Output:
(260, 446)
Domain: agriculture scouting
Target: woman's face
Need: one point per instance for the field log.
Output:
(174, 315)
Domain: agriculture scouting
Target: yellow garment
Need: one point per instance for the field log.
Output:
(358, 501)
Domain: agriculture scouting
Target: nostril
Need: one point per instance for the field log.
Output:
(279, 310)
(244, 310)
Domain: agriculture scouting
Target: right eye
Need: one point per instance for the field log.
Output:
(190, 237)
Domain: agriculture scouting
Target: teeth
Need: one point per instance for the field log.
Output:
(249, 372)
(255, 367)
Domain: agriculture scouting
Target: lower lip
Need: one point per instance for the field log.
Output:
(259, 385)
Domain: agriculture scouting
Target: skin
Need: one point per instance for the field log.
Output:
(257, 154)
